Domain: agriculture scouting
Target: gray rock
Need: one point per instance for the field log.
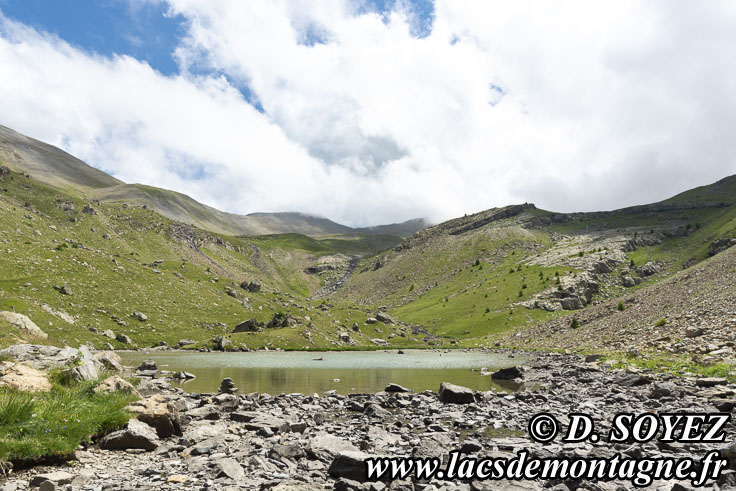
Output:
(136, 435)
(456, 394)
(229, 468)
(630, 379)
(148, 365)
(509, 373)
(710, 381)
(59, 477)
(396, 388)
(140, 316)
(350, 465)
(124, 339)
(250, 325)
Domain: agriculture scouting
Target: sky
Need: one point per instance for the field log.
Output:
(371, 112)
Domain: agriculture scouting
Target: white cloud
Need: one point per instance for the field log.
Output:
(572, 105)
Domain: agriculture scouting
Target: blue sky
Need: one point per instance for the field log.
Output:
(145, 30)
(378, 111)
(108, 27)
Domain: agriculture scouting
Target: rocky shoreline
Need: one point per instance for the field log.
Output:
(299, 442)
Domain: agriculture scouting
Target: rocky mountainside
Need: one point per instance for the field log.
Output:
(81, 268)
(692, 313)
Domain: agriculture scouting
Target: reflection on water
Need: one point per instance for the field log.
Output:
(277, 372)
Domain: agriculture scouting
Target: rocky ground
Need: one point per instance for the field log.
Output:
(691, 313)
(301, 442)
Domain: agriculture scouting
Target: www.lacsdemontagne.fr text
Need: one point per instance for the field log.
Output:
(640, 472)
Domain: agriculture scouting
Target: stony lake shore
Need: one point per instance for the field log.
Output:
(230, 440)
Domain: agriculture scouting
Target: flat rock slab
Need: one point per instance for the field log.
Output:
(59, 477)
(455, 394)
(20, 377)
(136, 435)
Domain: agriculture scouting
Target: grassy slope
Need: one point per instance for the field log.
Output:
(435, 283)
(111, 278)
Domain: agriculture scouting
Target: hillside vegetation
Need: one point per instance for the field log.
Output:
(116, 272)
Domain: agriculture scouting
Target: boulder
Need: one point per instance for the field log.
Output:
(59, 478)
(710, 381)
(4, 171)
(123, 339)
(250, 286)
(631, 379)
(147, 365)
(40, 356)
(140, 316)
(221, 343)
(324, 446)
(110, 361)
(116, 384)
(396, 388)
(385, 318)
(159, 413)
(349, 465)
(23, 324)
(345, 338)
(509, 373)
(88, 367)
(229, 468)
(250, 325)
(628, 281)
(183, 376)
(455, 394)
(23, 378)
(137, 434)
(293, 451)
(64, 289)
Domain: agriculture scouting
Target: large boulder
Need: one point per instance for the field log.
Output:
(75, 364)
(88, 367)
(110, 360)
(456, 394)
(159, 413)
(509, 373)
(137, 434)
(23, 378)
(229, 468)
(116, 384)
(324, 446)
(23, 324)
(4, 171)
(350, 465)
(250, 325)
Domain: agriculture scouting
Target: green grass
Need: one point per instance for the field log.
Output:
(111, 277)
(675, 365)
(53, 424)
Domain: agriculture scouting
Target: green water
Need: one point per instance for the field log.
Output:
(277, 372)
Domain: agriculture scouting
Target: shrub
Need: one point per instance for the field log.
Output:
(581, 254)
(621, 307)
(574, 324)
(660, 322)
(477, 262)
(411, 287)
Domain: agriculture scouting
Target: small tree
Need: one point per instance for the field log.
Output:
(621, 307)
(574, 324)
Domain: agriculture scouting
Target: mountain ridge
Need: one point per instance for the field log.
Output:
(58, 168)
